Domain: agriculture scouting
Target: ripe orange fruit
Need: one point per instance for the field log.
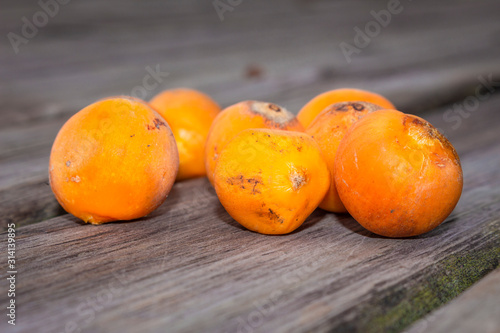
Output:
(397, 175)
(328, 129)
(270, 181)
(320, 102)
(189, 114)
(116, 159)
(240, 116)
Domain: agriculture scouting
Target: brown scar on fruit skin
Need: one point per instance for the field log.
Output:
(298, 179)
(274, 107)
(434, 134)
(68, 163)
(274, 115)
(157, 123)
(356, 106)
(274, 216)
(240, 181)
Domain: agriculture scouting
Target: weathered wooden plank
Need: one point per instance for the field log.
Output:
(212, 55)
(189, 267)
(476, 310)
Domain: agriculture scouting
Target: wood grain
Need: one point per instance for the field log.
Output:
(476, 310)
(188, 266)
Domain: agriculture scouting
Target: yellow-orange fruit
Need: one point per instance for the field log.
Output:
(328, 129)
(320, 102)
(397, 175)
(116, 159)
(189, 113)
(270, 181)
(241, 116)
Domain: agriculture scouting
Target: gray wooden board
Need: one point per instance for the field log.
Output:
(476, 310)
(189, 266)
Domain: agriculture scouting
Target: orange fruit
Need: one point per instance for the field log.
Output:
(241, 116)
(189, 114)
(270, 181)
(116, 159)
(328, 129)
(397, 175)
(320, 102)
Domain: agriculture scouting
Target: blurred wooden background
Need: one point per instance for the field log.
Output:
(432, 59)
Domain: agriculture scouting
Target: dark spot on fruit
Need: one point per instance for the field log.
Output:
(392, 211)
(240, 181)
(149, 145)
(357, 107)
(68, 163)
(418, 122)
(341, 107)
(274, 107)
(150, 128)
(268, 136)
(132, 135)
(274, 216)
(299, 148)
(159, 123)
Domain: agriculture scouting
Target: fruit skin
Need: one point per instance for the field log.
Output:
(241, 116)
(397, 175)
(319, 103)
(328, 129)
(189, 114)
(116, 159)
(270, 181)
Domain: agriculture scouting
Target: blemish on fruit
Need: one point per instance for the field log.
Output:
(158, 123)
(357, 106)
(240, 180)
(68, 163)
(298, 179)
(274, 107)
(274, 216)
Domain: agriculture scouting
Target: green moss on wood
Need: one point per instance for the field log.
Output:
(415, 299)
